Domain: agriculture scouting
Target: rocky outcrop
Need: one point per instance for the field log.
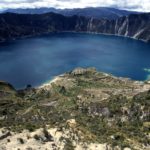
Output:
(21, 25)
(6, 86)
(4, 134)
(6, 89)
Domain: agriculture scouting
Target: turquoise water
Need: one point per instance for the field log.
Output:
(38, 59)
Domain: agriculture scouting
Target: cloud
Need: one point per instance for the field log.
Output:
(138, 5)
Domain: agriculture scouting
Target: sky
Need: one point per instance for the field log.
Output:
(135, 5)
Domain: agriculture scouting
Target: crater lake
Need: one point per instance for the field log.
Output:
(37, 60)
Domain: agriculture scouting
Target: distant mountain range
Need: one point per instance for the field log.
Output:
(21, 25)
(98, 12)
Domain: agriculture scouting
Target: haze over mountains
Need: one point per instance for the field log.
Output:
(95, 12)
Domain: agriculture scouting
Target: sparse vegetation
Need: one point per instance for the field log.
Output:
(106, 109)
(68, 144)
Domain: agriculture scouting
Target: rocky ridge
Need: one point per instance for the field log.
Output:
(13, 26)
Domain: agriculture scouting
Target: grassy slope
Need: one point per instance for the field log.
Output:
(106, 109)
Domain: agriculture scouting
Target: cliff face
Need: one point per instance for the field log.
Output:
(15, 25)
(135, 26)
(20, 25)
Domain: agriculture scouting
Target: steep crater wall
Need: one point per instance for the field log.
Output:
(21, 25)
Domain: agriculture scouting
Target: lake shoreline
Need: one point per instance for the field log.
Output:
(41, 58)
(76, 32)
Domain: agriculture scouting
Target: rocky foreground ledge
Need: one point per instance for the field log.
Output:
(83, 109)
